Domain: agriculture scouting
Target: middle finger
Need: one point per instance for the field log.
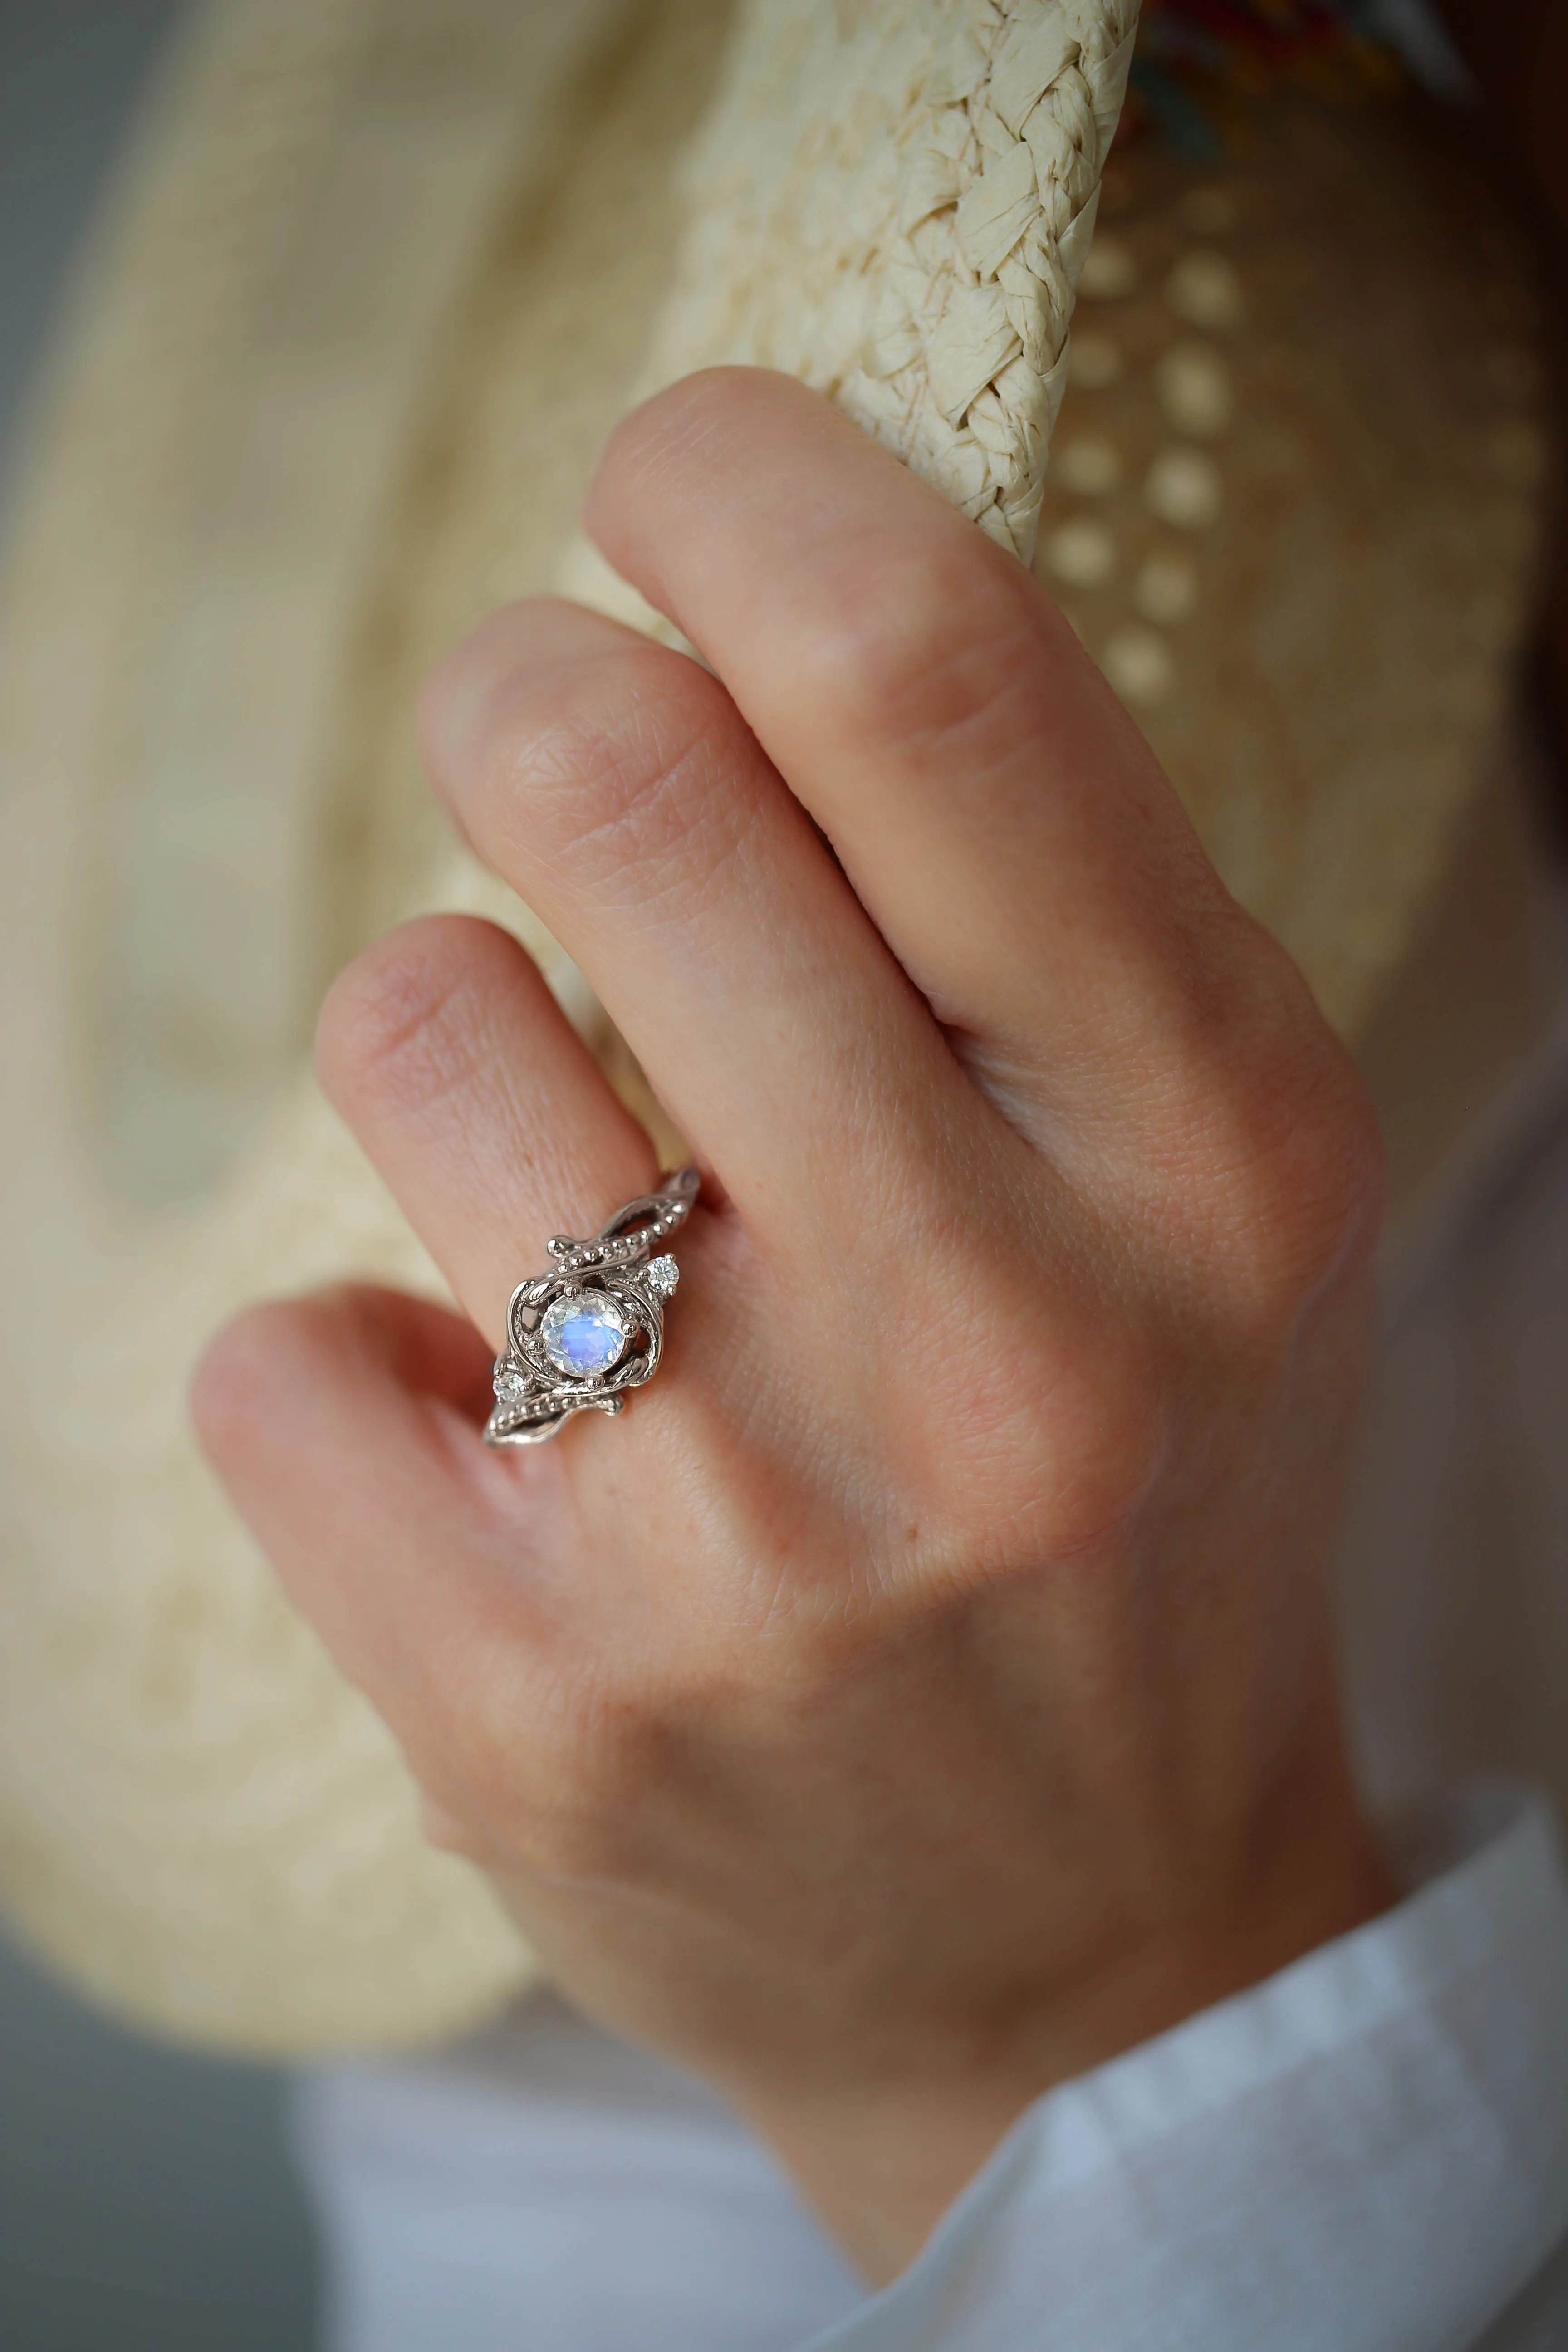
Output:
(614, 787)
(998, 813)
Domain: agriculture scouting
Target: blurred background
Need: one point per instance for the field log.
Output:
(146, 2201)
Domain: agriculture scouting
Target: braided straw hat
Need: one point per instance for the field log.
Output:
(377, 282)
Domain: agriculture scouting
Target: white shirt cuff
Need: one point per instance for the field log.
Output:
(1368, 2153)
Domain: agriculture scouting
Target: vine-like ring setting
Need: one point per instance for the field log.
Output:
(579, 1337)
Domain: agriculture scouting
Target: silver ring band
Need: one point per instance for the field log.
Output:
(579, 1337)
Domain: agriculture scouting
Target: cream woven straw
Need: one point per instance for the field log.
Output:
(378, 280)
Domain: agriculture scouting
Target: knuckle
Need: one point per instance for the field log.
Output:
(936, 657)
(1298, 1175)
(405, 1020)
(1049, 1427)
(1100, 1418)
(605, 766)
(243, 1369)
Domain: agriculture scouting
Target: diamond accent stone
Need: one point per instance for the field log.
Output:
(584, 1333)
(510, 1385)
(661, 1275)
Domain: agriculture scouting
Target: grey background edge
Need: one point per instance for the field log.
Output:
(147, 2204)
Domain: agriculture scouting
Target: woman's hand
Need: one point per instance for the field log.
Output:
(925, 1690)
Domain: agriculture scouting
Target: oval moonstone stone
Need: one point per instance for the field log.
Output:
(584, 1333)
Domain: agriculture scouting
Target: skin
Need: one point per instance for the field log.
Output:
(925, 1690)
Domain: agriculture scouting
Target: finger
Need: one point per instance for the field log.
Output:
(997, 810)
(344, 1427)
(612, 783)
(463, 1082)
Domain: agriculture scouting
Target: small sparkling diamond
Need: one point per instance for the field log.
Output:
(510, 1385)
(584, 1333)
(661, 1275)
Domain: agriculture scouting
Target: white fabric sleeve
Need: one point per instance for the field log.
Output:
(1368, 2153)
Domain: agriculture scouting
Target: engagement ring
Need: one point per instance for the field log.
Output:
(580, 1336)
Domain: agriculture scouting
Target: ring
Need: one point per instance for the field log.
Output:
(580, 1336)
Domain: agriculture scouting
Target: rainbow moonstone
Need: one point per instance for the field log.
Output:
(584, 1333)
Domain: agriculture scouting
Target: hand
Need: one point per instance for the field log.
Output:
(925, 1690)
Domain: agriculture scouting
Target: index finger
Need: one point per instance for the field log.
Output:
(997, 811)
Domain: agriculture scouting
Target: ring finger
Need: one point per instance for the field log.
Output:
(448, 1056)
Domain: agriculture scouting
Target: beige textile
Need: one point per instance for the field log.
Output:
(354, 227)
